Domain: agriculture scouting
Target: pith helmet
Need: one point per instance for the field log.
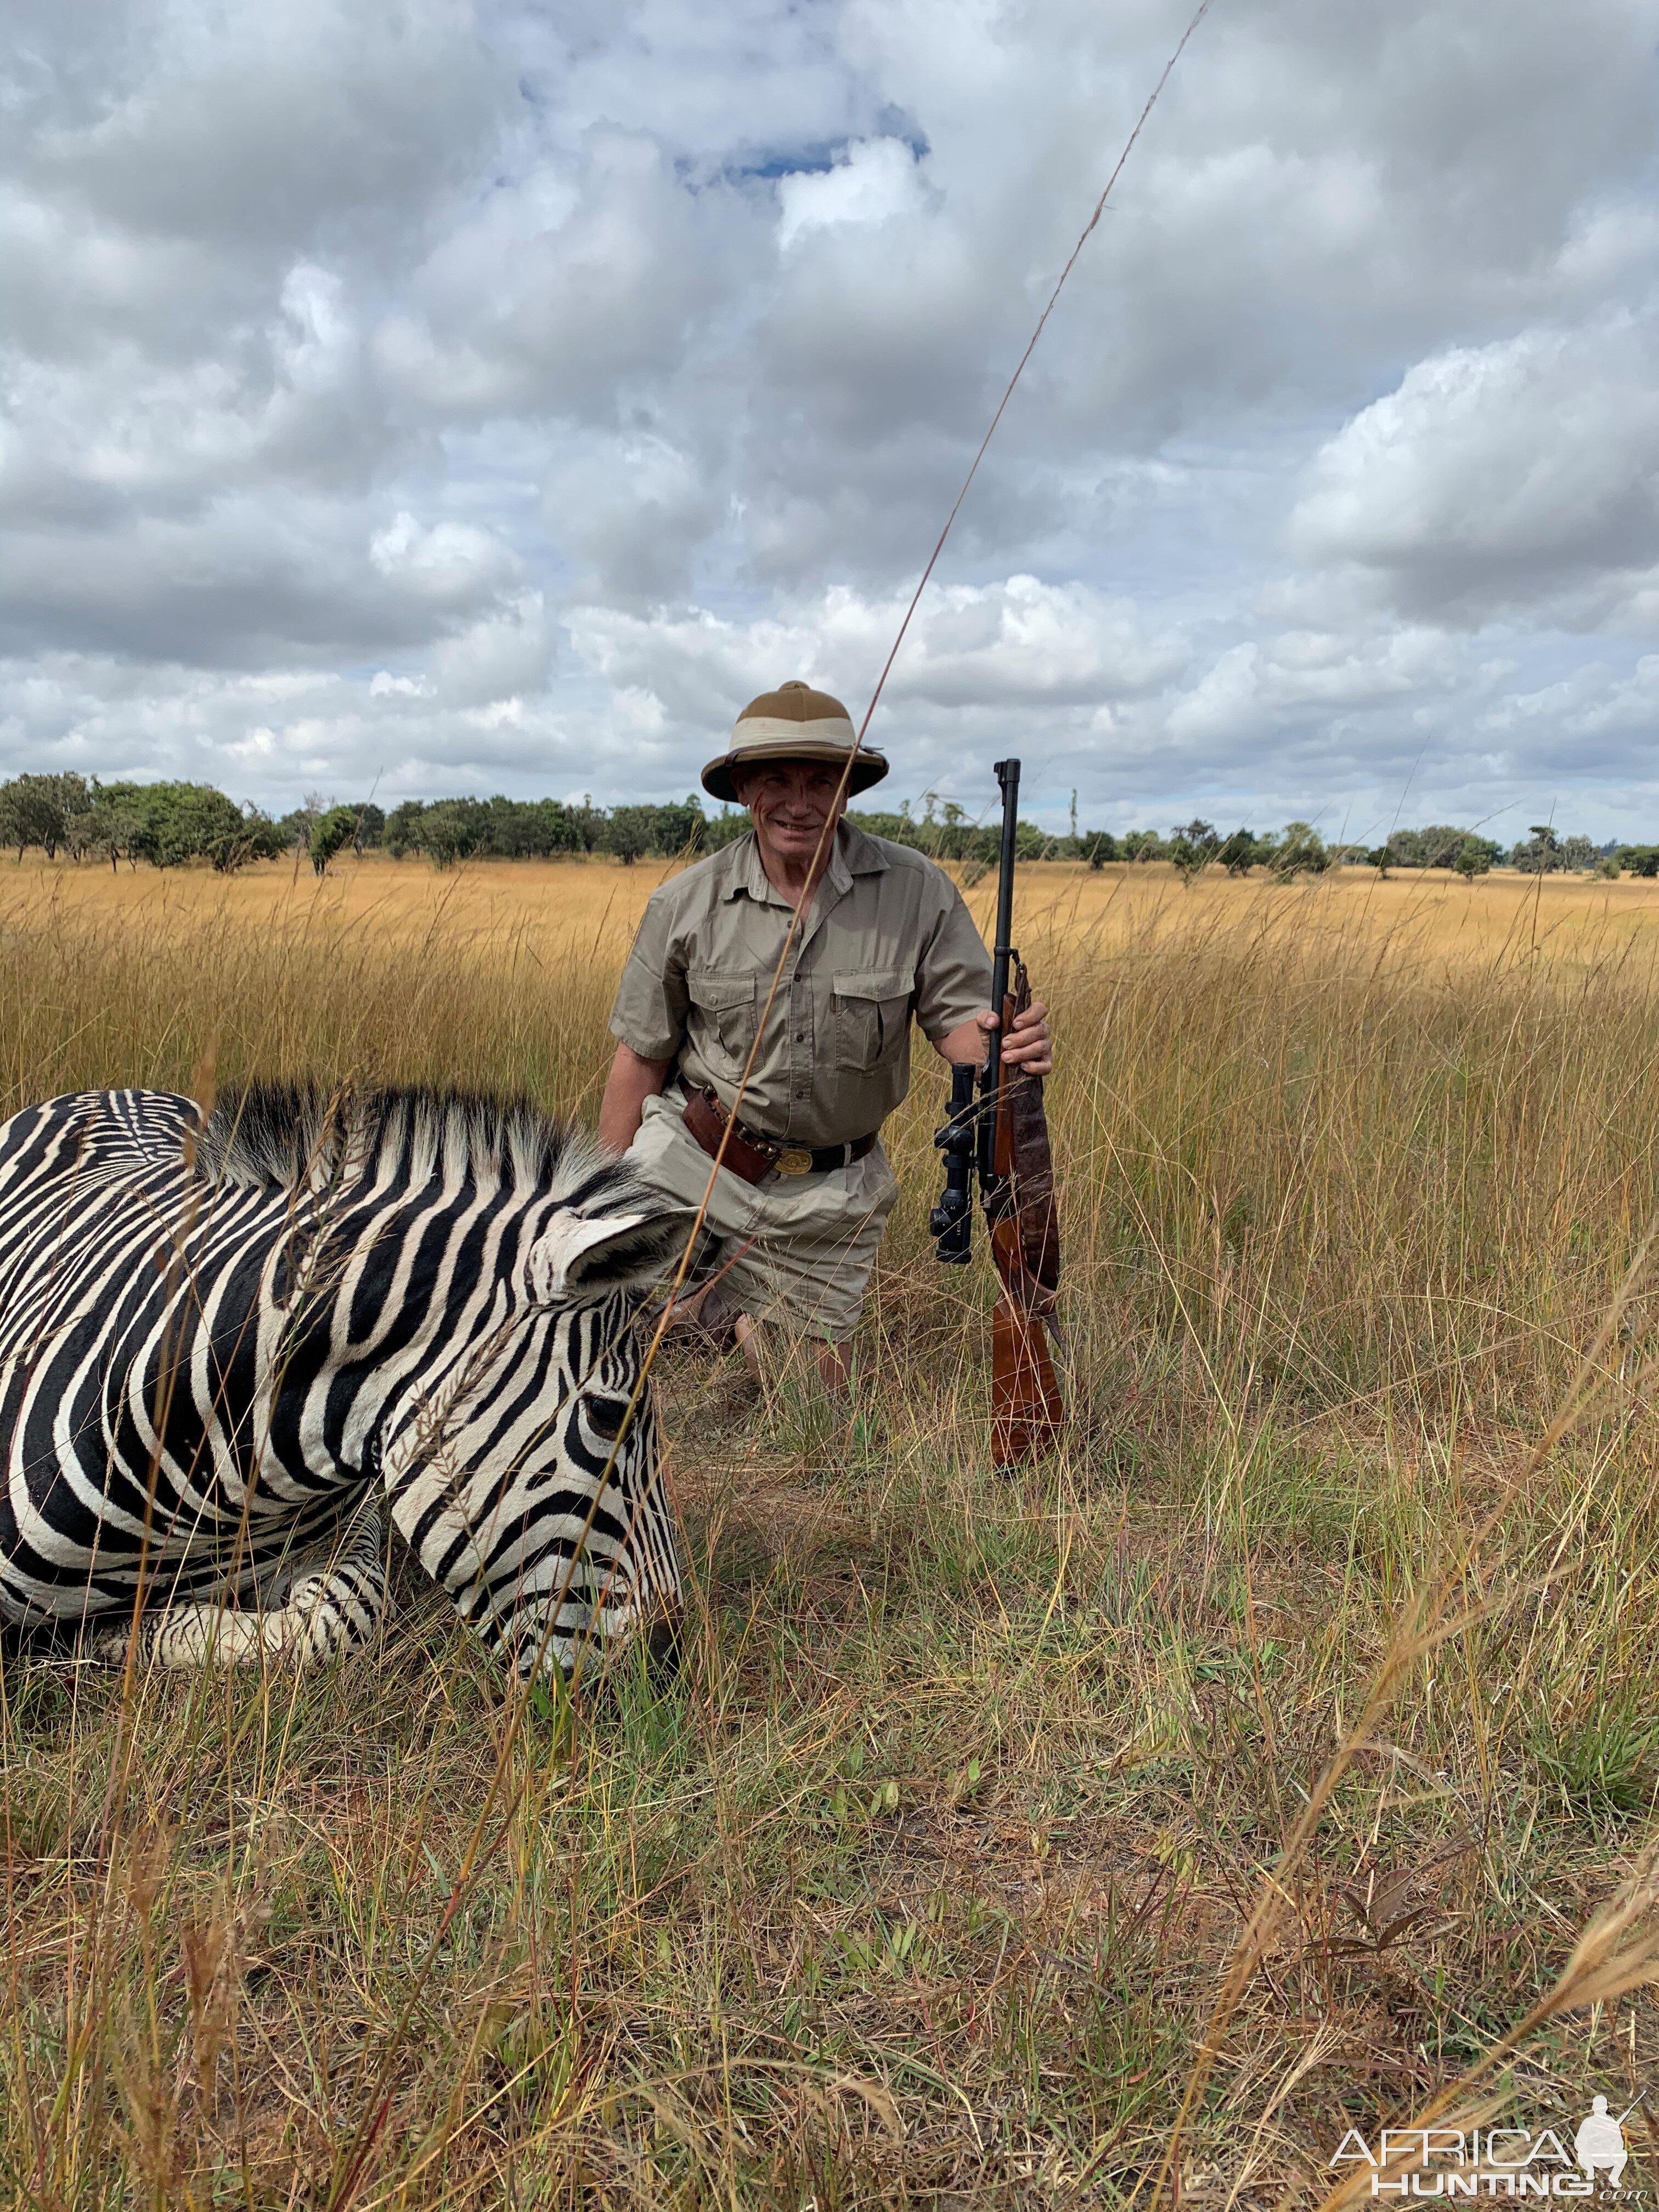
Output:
(793, 723)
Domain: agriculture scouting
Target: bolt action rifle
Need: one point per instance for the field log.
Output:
(1002, 1134)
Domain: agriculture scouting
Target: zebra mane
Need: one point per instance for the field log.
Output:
(286, 1135)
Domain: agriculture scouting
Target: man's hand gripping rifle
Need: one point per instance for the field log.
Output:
(1003, 1134)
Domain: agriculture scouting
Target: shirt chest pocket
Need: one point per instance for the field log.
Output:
(725, 1004)
(873, 1017)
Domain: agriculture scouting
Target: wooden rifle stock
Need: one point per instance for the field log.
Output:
(1027, 1412)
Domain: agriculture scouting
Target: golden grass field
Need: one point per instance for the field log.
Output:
(1280, 1758)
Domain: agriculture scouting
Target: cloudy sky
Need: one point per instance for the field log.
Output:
(444, 396)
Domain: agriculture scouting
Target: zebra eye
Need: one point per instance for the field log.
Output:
(605, 1417)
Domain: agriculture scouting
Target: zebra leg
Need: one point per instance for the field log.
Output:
(330, 1609)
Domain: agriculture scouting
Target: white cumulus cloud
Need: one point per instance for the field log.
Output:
(1519, 474)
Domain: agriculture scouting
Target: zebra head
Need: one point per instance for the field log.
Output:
(455, 1312)
(525, 1477)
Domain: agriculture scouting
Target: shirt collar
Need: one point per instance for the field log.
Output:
(853, 854)
(748, 877)
(863, 855)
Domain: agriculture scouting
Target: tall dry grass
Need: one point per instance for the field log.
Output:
(433, 988)
(920, 1885)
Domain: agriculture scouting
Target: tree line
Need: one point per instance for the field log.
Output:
(1299, 849)
(169, 824)
(166, 824)
(943, 830)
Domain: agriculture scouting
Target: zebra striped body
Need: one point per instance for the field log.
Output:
(222, 1345)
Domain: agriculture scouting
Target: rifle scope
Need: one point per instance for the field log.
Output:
(951, 1225)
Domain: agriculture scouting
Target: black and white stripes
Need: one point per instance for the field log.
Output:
(222, 1345)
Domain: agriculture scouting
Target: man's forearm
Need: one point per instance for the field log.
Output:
(964, 1046)
(631, 1081)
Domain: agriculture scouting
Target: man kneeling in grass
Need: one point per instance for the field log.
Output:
(804, 1190)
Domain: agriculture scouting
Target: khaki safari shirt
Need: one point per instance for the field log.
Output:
(888, 938)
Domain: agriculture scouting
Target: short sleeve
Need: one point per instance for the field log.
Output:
(649, 1013)
(953, 974)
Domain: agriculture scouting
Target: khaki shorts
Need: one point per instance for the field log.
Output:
(814, 1236)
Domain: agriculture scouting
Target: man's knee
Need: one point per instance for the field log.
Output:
(769, 1351)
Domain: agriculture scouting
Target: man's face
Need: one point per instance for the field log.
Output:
(791, 803)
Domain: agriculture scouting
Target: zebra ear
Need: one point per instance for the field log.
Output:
(618, 1251)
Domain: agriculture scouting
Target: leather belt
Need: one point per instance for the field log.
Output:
(752, 1157)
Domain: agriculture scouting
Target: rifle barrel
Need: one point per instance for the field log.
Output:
(1007, 775)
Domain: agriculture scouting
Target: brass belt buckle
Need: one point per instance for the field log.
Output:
(793, 1161)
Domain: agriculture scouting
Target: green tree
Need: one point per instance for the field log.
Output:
(261, 840)
(513, 831)
(1239, 852)
(530, 829)
(454, 829)
(80, 823)
(1540, 854)
(728, 825)
(401, 833)
(558, 827)
(664, 833)
(1299, 851)
(953, 834)
(1474, 858)
(678, 829)
(1443, 843)
(168, 823)
(295, 829)
(110, 825)
(1193, 846)
(37, 810)
(629, 833)
(330, 833)
(588, 821)
(897, 828)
